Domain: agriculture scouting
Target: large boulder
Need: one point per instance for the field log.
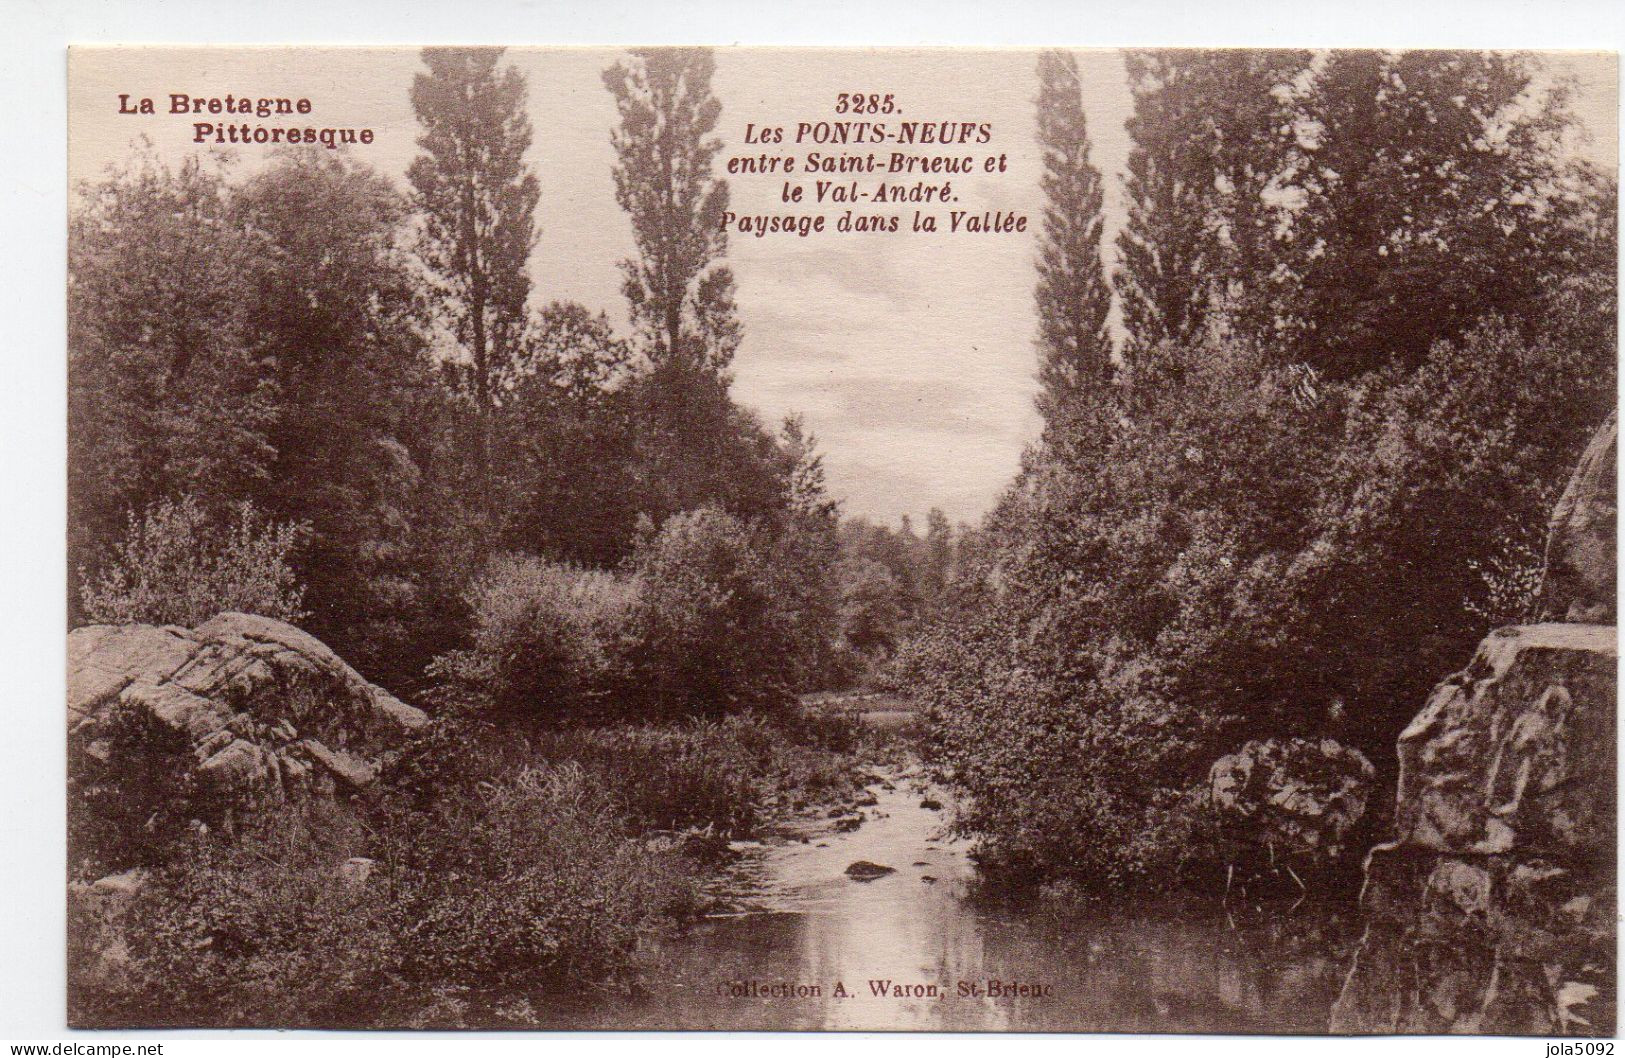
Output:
(1294, 796)
(1492, 910)
(1580, 546)
(264, 709)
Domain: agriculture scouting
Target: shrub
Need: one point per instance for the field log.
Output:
(711, 773)
(175, 565)
(132, 795)
(550, 640)
(694, 625)
(713, 632)
(500, 889)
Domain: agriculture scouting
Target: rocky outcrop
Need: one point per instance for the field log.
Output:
(265, 710)
(1493, 909)
(1291, 796)
(1580, 547)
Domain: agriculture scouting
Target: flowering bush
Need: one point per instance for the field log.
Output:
(177, 565)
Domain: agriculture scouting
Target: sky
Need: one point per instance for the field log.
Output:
(911, 356)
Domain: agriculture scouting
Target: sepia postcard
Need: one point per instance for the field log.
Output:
(742, 538)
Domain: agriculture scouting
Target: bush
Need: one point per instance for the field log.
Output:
(694, 625)
(176, 565)
(713, 633)
(132, 795)
(712, 773)
(550, 640)
(499, 890)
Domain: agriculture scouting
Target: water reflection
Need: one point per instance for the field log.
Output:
(813, 949)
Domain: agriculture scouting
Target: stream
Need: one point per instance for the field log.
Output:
(804, 946)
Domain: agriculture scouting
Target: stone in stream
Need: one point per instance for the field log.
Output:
(865, 871)
(1301, 796)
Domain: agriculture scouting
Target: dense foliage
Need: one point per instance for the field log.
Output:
(680, 630)
(1279, 518)
(499, 869)
(364, 363)
(524, 884)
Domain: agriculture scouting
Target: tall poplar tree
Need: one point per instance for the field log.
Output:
(695, 446)
(1073, 298)
(681, 296)
(1213, 131)
(478, 199)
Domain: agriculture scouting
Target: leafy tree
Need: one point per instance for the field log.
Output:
(168, 392)
(708, 614)
(1073, 298)
(680, 295)
(871, 607)
(340, 321)
(1271, 542)
(568, 452)
(802, 553)
(1434, 191)
(694, 447)
(477, 198)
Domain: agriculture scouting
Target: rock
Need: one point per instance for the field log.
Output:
(1509, 753)
(1492, 910)
(105, 659)
(347, 769)
(238, 690)
(849, 824)
(928, 879)
(119, 888)
(865, 871)
(931, 804)
(97, 916)
(921, 863)
(357, 870)
(867, 800)
(1293, 796)
(1580, 545)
